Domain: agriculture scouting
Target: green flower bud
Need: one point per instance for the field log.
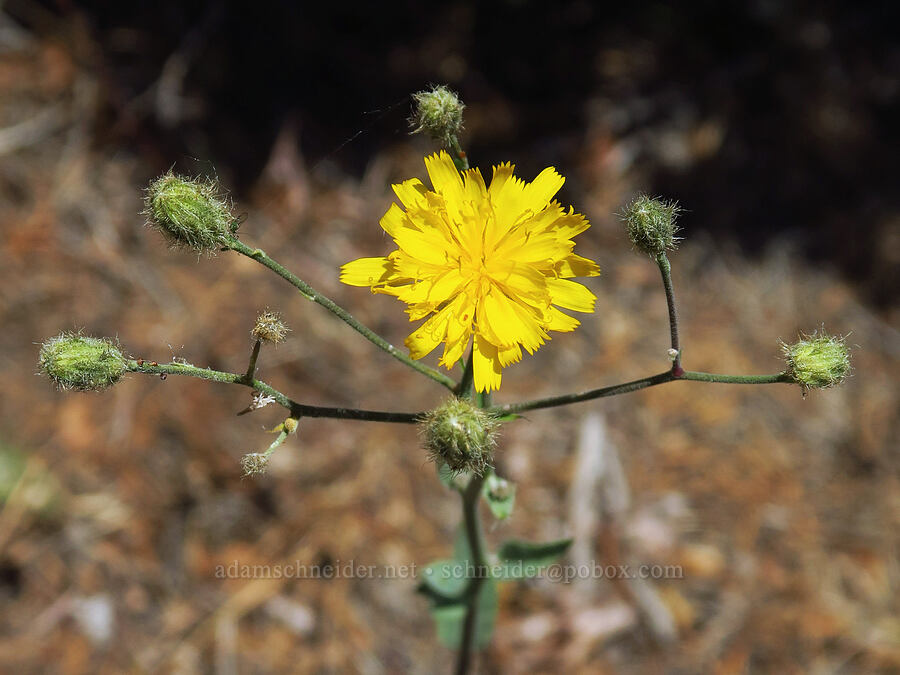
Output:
(82, 363)
(651, 224)
(461, 436)
(189, 212)
(438, 113)
(269, 328)
(817, 361)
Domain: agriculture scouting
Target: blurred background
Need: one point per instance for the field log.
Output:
(773, 123)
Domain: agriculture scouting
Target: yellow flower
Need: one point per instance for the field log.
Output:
(493, 262)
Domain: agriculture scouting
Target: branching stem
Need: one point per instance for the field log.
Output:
(312, 294)
(296, 409)
(635, 385)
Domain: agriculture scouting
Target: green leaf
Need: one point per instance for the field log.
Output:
(524, 559)
(500, 495)
(450, 618)
(444, 581)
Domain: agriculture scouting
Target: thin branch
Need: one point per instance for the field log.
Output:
(296, 409)
(303, 410)
(636, 385)
(251, 366)
(311, 294)
(665, 270)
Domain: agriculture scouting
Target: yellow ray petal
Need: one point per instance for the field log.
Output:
(445, 178)
(475, 189)
(459, 328)
(560, 321)
(574, 265)
(435, 289)
(429, 335)
(510, 322)
(367, 271)
(571, 295)
(411, 192)
(486, 365)
(509, 355)
(538, 193)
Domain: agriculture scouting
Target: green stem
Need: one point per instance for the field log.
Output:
(296, 409)
(457, 154)
(774, 378)
(665, 270)
(251, 367)
(311, 294)
(464, 388)
(484, 400)
(635, 385)
(471, 497)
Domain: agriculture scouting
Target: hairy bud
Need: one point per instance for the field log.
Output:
(270, 328)
(189, 212)
(817, 361)
(650, 223)
(81, 362)
(438, 113)
(460, 435)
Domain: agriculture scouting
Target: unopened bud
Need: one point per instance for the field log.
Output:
(460, 435)
(817, 361)
(80, 362)
(270, 328)
(190, 212)
(438, 113)
(651, 224)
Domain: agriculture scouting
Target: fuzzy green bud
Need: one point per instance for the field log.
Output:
(190, 213)
(650, 223)
(81, 362)
(438, 113)
(270, 328)
(461, 436)
(817, 361)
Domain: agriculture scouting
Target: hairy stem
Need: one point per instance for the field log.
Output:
(303, 410)
(665, 270)
(635, 385)
(310, 293)
(296, 409)
(251, 367)
(458, 155)
(475, 537)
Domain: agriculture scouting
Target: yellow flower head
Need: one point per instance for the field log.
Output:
(493, 262)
